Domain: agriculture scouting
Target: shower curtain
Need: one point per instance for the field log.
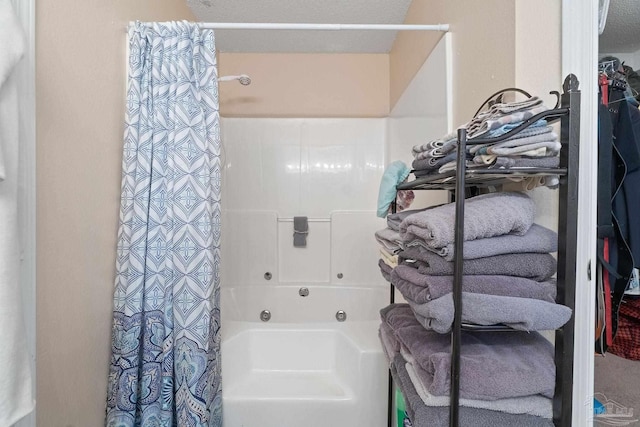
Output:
(165, 362)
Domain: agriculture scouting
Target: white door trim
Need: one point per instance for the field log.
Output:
(580, 56)
(26, 12)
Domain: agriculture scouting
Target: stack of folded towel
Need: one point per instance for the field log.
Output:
(391, 243)
(507, 279)
(507, 379)
(507, 265)
(537, 146)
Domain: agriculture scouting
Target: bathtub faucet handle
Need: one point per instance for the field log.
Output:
(303, 292)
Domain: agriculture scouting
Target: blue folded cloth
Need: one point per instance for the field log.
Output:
(395, 173)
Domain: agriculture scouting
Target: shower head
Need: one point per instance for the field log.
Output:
(242, 78)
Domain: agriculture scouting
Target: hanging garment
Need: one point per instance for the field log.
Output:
(165, 362)
(627, 341)
(15, 374)
(618, 241)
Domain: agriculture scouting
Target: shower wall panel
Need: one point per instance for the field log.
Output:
(276, 169)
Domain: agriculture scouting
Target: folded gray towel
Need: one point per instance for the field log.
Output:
(551, 147)
(389, 239)
(517, 142)
(390, 343)
(487, 215)
(523, 314)
(422, 288)
(432, 416)
(526, 162)
(493, 365)
(432, 163)
(536, 405)
(537, 239)
(478, 128)
(385, 269)
(394, 220)
(539, 267)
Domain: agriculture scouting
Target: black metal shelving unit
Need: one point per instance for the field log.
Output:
(567, 111)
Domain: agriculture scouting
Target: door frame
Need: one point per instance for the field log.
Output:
(25, 10)
(580, 57)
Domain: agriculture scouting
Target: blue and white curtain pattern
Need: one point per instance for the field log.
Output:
(165, 363)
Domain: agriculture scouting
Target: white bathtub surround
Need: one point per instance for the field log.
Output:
(303, 367)
(15, 373)
(326, 169)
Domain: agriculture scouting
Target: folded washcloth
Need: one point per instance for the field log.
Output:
(433, 416)
(487, 215)
(432, 145)
(507, 163)
(518, 142)
(524, 314)
(385, 269)
(389, 259)
(433, 163)
(534, 266)
(389, 239)
(423, 288)
(536, 405)
(526, 162)
(551, 148)
(493, 365)
(537, 239)
(489, 159)
(477, 129)
(547, 136)
(534, 129)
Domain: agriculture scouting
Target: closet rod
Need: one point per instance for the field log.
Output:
(321, 27)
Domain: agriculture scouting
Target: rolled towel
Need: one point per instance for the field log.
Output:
(539, 267)
(422, 288)
(523, 314)
(487, 215)
(535, 405)
(493, 365)
(433, 416)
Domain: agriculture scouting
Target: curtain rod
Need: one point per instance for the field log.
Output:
(321, 27)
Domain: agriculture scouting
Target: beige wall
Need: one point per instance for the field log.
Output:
(538, 70)
(80, 109)
(306, 85)
(483, 40)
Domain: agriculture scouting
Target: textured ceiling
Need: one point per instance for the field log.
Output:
(622, 31)
(303, 11)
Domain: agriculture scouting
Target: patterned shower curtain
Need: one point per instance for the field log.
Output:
(165, 363)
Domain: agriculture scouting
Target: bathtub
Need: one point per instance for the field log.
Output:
(303, 367)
